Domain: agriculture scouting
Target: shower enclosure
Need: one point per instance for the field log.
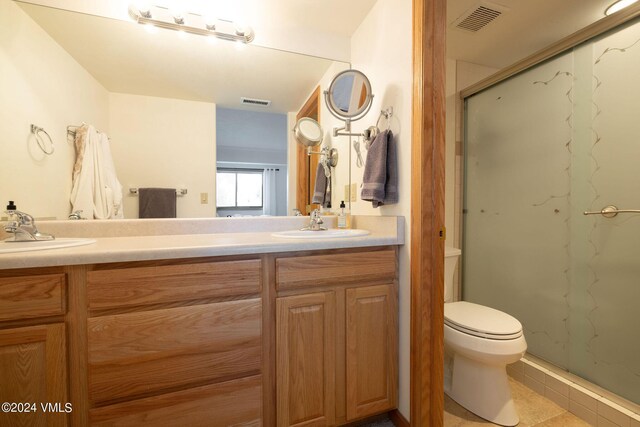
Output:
(541, 149)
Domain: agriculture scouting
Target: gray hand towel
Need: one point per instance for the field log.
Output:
(391, 194)
(157, 203)
(380, 178)
(322, 189)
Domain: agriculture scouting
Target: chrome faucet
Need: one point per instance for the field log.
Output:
(315, 222)
(23, 227)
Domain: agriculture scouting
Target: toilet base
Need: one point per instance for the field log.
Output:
(483, 389)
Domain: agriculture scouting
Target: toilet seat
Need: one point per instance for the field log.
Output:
(480, 321)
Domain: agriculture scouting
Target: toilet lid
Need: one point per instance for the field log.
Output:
(481, 321)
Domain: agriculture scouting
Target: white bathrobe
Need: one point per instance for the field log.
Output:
(96, 189)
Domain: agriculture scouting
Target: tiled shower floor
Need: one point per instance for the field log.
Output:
(533, 409)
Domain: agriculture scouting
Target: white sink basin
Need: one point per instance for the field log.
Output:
(8, 247)
(324, 234)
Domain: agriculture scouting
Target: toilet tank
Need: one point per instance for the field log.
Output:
(451, 256)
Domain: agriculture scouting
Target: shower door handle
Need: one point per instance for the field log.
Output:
(611, 211)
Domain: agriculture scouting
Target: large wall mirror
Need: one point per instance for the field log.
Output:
(181, 111)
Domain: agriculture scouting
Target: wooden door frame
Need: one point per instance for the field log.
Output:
(304, 162)
(427, 213)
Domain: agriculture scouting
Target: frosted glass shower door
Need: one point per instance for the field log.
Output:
(605, 304)
(517, 198)
(541, 148)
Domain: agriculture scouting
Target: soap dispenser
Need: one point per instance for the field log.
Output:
(343, 219)
(11, 209)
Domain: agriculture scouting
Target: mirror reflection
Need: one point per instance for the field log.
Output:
(308, 132)
(349, 96)
(179, 112)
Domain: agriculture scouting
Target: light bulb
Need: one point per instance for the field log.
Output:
(619, 5)
(144, 8)
(241, 28)
(150, 28)
(178, 13)
(240, 45)
(209, 19)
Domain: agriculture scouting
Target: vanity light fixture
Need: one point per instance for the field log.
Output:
(619, 5)
(187, 22)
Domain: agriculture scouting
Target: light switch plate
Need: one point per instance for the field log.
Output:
(347, 192)
(354, 192)
(204, 198)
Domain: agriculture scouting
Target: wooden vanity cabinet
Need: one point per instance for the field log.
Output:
(292, 339)
(175, 343)
(336, 327)
(33, 370)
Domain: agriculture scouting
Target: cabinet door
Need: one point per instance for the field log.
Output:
(305, 366)
(371, 352)
(33, 371)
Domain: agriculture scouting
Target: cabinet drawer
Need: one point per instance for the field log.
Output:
(327, 270)
(231, 403)
(144, 353)
(172, 283)
(23, 297)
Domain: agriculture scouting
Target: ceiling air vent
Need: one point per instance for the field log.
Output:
(254, 101)
(479, 16)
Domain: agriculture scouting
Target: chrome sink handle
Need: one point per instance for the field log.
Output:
(24, 228)
(315, 222)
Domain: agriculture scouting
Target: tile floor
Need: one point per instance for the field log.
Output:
(533, 409)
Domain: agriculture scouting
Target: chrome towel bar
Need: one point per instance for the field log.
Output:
(179, 191)
(611, 211)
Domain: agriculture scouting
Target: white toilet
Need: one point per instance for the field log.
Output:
(479, 343)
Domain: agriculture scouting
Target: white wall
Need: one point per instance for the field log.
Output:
(161, 142)
(381, 48)
(40, 83)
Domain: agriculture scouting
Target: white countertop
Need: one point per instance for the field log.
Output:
(140, 248)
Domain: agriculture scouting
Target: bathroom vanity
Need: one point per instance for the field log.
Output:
(267, 332)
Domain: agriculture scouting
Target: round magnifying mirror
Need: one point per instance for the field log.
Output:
(308, 132)
(349, 95)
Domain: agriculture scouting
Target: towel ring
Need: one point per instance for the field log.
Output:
(387, 114)
(36, 131)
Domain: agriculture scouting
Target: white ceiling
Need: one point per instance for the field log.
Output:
(526, 27)
(125, 58)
